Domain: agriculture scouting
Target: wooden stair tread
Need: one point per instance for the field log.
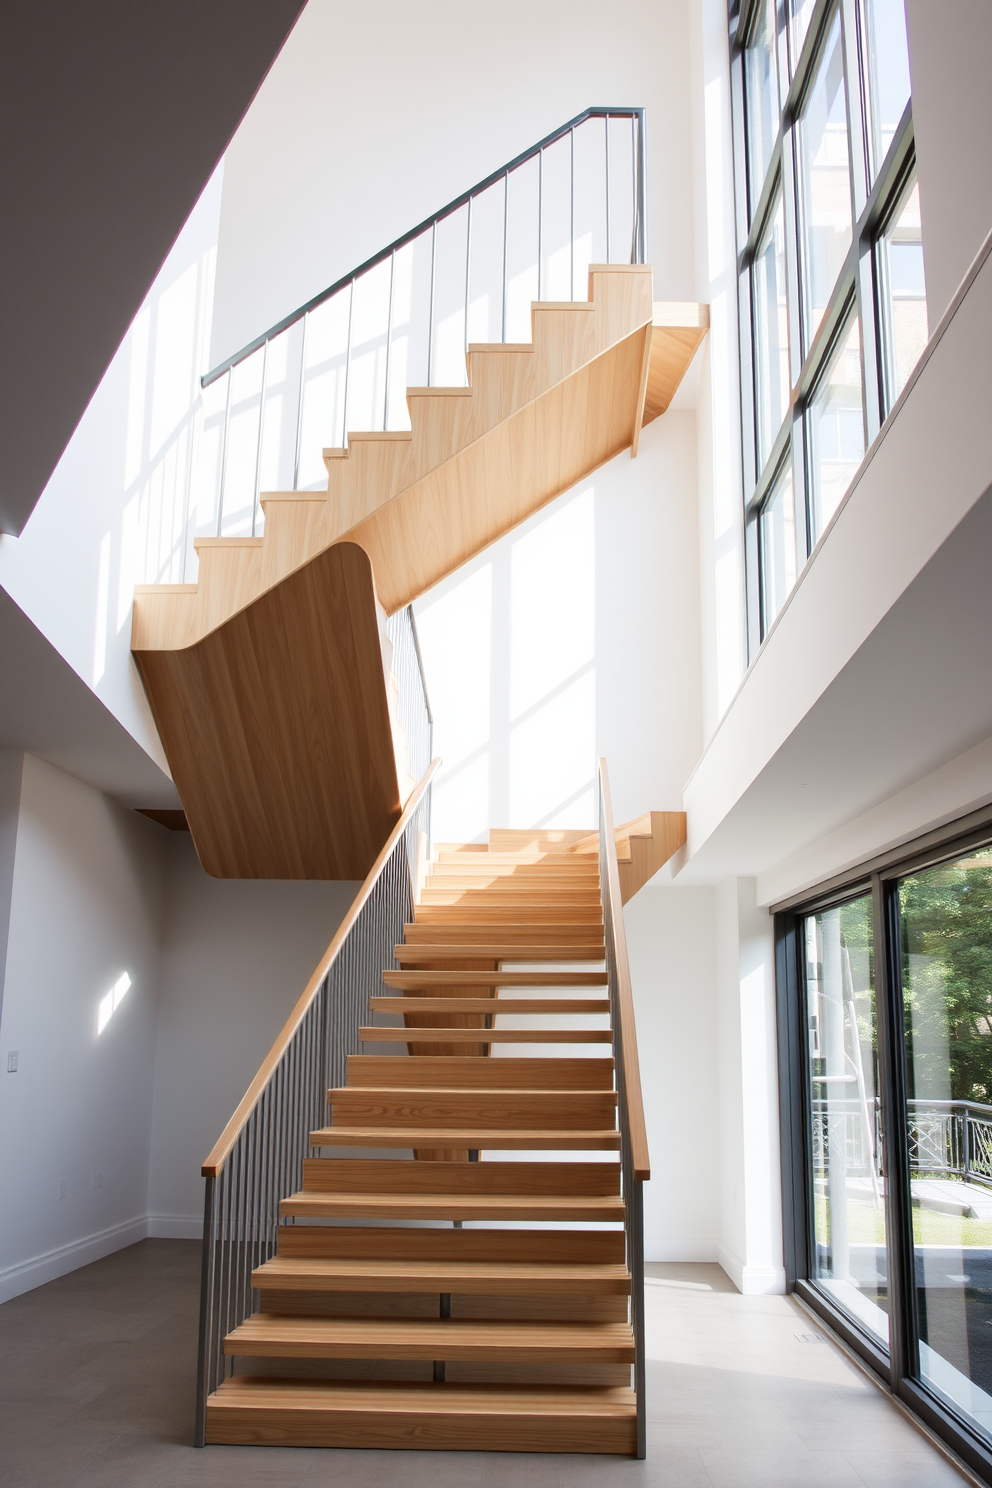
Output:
(504, 951)
(393, 1035)
(489, 1005)
(252, 1411)
(478, 1139)
(548, 931)
(295, 1273)
(409, 980)
(557, 1207)
(485, 1107)
(496, 1399)
(386, 1074)
(268, 1335)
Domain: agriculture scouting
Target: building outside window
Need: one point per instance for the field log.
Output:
(832, 298)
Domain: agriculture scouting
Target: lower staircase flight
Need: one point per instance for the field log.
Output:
(461, 1266)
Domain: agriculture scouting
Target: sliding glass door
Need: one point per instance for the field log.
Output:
(846, 1170)
(945, 973)
(885, 1002)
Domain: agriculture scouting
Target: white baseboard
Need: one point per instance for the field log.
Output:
(753, 1281)
(26, 1275)
(175, 1227)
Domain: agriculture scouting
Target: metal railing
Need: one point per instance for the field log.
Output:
(635, 1163)
(258, 1160)
(406, 316)
(952, 1137)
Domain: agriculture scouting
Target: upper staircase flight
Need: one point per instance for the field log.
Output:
(264, 677)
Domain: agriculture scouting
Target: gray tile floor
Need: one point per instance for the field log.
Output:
(97, 1372)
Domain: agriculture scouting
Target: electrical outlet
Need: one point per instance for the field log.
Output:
(97, 1180)
(12, 1058)
(63, 1188)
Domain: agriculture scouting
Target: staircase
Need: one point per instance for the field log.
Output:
(382, 1321)
(266, 669)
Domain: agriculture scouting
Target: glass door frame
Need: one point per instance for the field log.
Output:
(899, 1365)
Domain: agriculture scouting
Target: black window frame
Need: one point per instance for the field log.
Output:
(873, 201)
(899, 1365)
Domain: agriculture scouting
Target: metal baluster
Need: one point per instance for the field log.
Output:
(299, 402)
(571, 247)
(468, 273)
(207, 1275)
(606, 123)
(347, 366)
(633, 189)
(223, 453)
(389, 337)
(258, 448)
(540, 220)
(506, 218)
(430, 312)
(642, 225)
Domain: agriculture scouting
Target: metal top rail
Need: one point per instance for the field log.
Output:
(638, 252)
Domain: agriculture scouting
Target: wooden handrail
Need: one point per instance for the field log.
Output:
(222, 1147)
(625, 997)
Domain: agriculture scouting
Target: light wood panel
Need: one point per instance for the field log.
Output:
(410, 980)
(356, 1175)
(517, 936)
(274, 1337)
(385, 1072)
(316, 1273)
(477, 1035)
(545, 1247)
(558, 1208)
(676, 332)
(470, 1139)
(277, 728)
(581, 1110)
(650, 840)
(421, 954)
(512, 1006)
(408, 1417)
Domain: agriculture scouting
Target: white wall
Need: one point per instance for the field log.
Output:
(84, 908)
(576, 635)
(950, 48)
(721, 508)
(750, 1182)
(235, 957)
(672, 950)
(114, 512)
(372, 118)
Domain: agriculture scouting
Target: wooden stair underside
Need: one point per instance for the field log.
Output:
(241, 669)
(412, 1331)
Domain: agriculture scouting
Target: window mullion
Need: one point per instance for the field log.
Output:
(900, 1258)
(791, 207)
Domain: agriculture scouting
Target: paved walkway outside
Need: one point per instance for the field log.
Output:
(97, 1372)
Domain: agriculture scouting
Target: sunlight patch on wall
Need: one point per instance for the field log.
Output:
(111, 1002)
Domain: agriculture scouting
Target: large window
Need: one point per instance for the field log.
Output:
(885, 998)
(832, 303)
